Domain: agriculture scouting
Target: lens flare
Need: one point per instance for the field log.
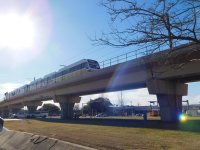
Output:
(16, 32)
(183, 118)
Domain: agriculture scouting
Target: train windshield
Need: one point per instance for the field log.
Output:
(93, 64)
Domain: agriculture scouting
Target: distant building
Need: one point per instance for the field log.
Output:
(192, 110)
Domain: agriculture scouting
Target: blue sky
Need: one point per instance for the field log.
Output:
(62, 30)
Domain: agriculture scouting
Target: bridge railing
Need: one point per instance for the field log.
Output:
(127, 57)
(140, 52)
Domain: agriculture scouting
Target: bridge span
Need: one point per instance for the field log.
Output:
(165, 74)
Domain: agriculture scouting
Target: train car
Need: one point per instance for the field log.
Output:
(23, 89)
(76, 69)
(49, 79)
(9, 95)
(16, 92)
(26, 88)
(35, 84)
(32, 85)
(38, 83)
(6, 96)
(93, 64)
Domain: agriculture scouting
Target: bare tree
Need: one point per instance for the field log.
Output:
(153, 23)
(77, 106)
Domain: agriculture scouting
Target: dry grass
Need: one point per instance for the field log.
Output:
(117, 135)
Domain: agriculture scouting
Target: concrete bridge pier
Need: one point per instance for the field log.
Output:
(169, 95)
(15, 108)
(5, 113)
(32, 106)
(67, 105)
(31, 109)
(1, 112)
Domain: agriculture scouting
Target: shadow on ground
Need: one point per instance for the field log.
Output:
(190, 125)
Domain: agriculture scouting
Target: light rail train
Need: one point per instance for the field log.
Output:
(66, 73)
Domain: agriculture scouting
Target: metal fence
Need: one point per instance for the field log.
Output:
(143, 51)
(127, 56)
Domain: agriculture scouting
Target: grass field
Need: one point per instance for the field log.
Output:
(117, 134)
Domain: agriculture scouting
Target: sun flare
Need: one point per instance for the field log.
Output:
(16, 32)
(183, 118)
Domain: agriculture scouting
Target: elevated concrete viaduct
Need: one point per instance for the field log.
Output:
(165, 74)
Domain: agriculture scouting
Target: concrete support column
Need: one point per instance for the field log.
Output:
(13, 109)
(32, 106)
(5, 113)
(66, 110)
(169, 95)
(31, 109)
(67, 105)
(170, 107)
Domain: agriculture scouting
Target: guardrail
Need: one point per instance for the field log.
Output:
(143, 51)
(127, 56)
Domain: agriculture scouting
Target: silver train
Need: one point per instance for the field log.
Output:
(66, 73)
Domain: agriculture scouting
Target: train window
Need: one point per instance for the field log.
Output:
(84, 65)
(52, 77)
(93, 64)
(77, 67)
(71, 69)
(59, 74)
(65, 72)
(80, 66)
(74, 69)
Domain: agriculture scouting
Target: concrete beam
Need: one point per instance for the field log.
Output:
(14, 110)
(17, 106)
(166, 87)
(32, 103)
(65, 99)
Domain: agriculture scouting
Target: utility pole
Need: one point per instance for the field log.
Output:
(122, 101)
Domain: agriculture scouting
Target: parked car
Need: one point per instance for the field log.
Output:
(76, 115)
(139, 115)
(38, 114)
(101, 115)
(27, 115)
(1, 123)
(19, 115)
